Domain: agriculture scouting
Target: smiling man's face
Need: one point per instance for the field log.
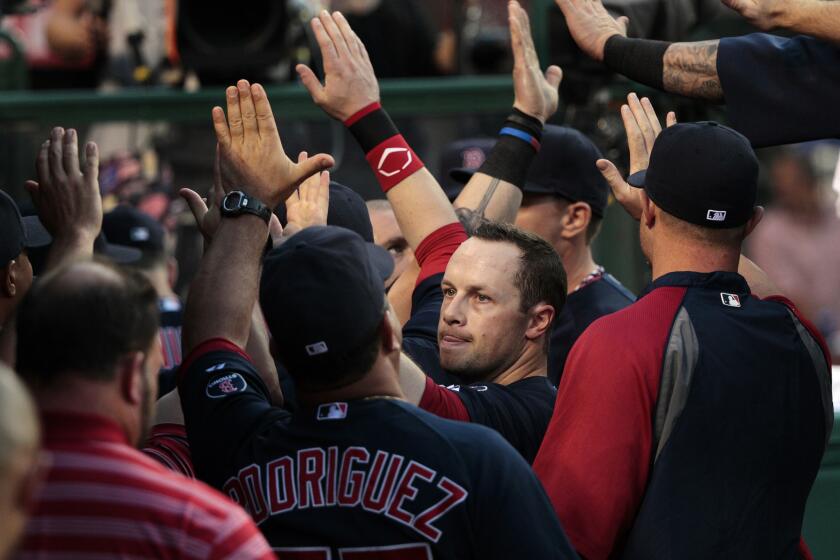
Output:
(481, 332)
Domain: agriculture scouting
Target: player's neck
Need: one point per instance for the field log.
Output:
(688, 257)
(380, 381)
(533, 362)
(578, 264)
(75, 395)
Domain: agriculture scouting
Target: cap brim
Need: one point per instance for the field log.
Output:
(35, 232)
(637, 179)
(120, 254)
(381, 260)
(536, 188)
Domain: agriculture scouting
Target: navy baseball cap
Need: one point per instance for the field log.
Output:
(348, 210)
(17, 232)
(128, 226)
(703, 173)
(565, 167)
(322, 299)
(459, 160)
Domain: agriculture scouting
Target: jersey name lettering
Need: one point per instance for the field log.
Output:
(379, 482)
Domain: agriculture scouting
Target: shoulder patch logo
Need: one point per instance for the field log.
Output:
(716, 215)
(226, 385)
(332, 411)
(730, 300)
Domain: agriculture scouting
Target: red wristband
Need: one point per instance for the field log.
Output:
(387, 152)
(393, 161)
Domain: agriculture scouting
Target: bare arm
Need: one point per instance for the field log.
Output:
(690, 69)
(535, 95)
(412, 380)
(251, 158)
(350, 85)
(758, 281)
(168, 409)
(67, 196)
(399, 296)
(260, 353)
(818, 18)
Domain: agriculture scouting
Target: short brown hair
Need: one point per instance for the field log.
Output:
(541, 276)
(82, 318)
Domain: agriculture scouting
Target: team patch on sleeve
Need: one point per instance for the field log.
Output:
(225, 384)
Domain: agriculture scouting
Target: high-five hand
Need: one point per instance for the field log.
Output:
(67, 195)
(251, 155)
(349, 81)
(535, 92)
(591, 25)
(642, 126)
(310, 204)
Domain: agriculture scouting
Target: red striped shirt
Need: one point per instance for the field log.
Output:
(104, 499)
(169, 446)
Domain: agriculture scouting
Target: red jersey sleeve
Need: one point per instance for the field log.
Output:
(437, 248)
(442, 402)
(595, 457)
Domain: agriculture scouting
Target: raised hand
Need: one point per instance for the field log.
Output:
(207, 213)
(642, 126)
(251, 156)
(535, 92)
(310, 204)
(349, 81)
(66, 195)
(764, 14)
(591, 25)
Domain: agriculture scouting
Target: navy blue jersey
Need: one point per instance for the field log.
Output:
(520, 412)
(600, 297)
(370, 478)
(780, 90)
(690, 424)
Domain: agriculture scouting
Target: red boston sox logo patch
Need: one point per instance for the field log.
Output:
(225, 385)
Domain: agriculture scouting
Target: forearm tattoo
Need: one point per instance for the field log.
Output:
(690, 69)
(471, 219)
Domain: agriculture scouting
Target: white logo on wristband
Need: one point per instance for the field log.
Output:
(388, 152)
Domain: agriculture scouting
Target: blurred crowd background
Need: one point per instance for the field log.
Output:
(184, 48)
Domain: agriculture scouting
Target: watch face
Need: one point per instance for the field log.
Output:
(232, 201)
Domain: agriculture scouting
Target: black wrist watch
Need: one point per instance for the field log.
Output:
(236, 203)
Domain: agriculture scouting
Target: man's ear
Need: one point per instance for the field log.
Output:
(131, 377)
(10, 272)
(539, 322)
(758, 215)
(576, 219)
(389, 329)
(649, 210)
